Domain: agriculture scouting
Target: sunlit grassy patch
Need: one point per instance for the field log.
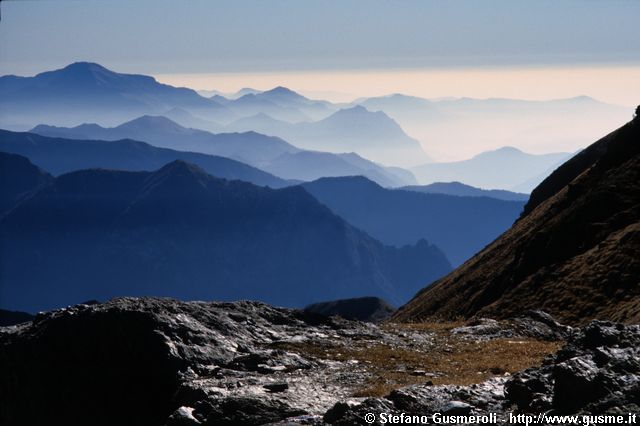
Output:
(448, 360)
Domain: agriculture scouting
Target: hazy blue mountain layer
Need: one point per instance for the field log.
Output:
(59, 155)
(505, 168)
(460, 189)
(269, 153)
(179, 232)
(460, 226)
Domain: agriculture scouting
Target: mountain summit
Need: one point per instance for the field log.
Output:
(88, 92)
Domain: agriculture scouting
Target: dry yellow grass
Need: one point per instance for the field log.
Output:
(450, 360)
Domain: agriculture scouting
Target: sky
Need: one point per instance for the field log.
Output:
(517, 82)
(349, 49)
(501, 48)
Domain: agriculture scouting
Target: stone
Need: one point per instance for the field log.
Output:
(276, 387)
(183, 416)
(164, 362)
(456, 408)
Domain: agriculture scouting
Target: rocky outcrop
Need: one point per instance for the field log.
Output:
(534, 324)
(137, 361)
(596, 373)
(160, 361)
(574, 252)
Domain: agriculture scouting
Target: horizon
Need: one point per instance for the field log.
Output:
(461, 47)
(546, 133)
(348, 86)
(323, 85)
(360, 49)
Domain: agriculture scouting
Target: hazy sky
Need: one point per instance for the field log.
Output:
(617, 84)
(244, 43)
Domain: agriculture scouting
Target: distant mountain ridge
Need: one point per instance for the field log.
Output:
(460, 189)
(268, 153)
(460, 226)
(504, 168)
(280, 103)
(59, 155)
(96, 234)
(375, 128)
(249, 147)
(83, 91)
(466, 124)
(371, 134)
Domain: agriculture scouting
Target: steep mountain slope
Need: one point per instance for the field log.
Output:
(250, 147)
(96, 234)
(18, 179)
(460, 226)
(462, 190)
(503, 168)
(88, 92)
(574, 252)
(59, 156)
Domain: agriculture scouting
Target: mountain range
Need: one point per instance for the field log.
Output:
(506, 168)
(460, 226)
(59, 155)
(462, 190)
(249, 147)
(268, 153)
(371, 134)
(466, 123)
(280, 103)
(573, 252)
(83, 91)
(375, 128)
(179, 232)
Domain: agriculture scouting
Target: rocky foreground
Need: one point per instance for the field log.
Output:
(164, 362)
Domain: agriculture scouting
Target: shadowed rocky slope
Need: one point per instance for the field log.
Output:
(575, 252)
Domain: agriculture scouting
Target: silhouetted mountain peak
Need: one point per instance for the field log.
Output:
(153, 122)
(505, 151)
(86, 67)
(183, 168)
(349, 181)
(178, 177)
(358, 112)
(282, 91)
(92, 74)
